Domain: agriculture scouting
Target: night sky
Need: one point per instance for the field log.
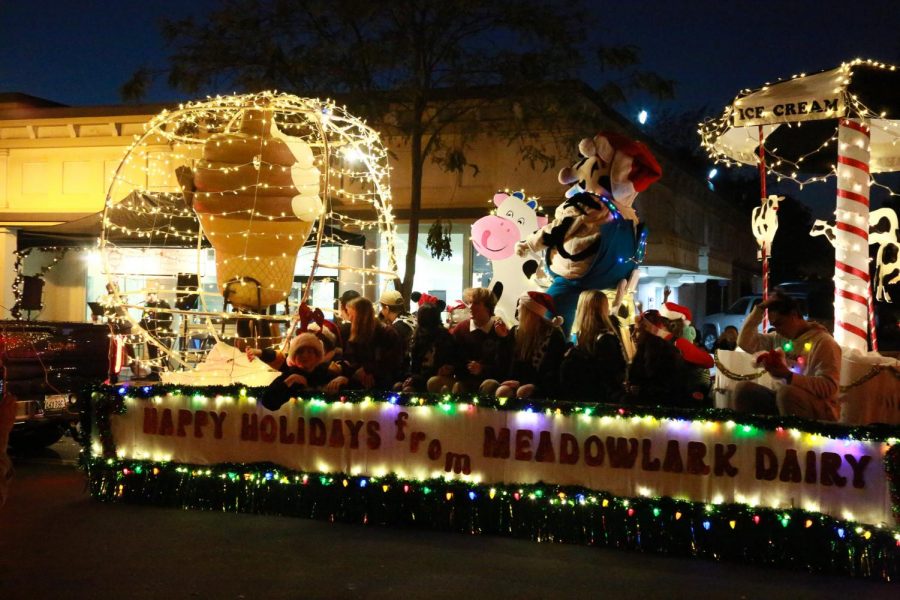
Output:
(79, 52)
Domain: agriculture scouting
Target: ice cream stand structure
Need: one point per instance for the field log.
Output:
(840, 123)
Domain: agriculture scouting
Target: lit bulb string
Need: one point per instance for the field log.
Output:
(211, 110)
(359, 196)
(144, 336)
(381, 199)
(162, 129)
(339, 191)
(538, 512)
(119, 395)
(712, 129)
(176, 158)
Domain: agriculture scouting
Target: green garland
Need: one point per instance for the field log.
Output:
(567, 514)
(542, 512)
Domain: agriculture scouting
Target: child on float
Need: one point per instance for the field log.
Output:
(538, 349)
(303, 368)
(483, 343)
(433, 352)
(373, 353)
(594, 366)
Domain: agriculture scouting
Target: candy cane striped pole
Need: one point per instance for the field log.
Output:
(872, 331)
(763, 248)
(765, 278)
(851, 258)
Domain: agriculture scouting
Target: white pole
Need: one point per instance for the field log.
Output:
(851, 258)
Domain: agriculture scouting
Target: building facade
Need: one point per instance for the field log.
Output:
(57, 162)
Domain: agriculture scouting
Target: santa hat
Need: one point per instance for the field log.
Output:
(542, 305)
(674, 312)
(632, 167)
(305, 340)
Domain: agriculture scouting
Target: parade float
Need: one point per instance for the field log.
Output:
(713, 484)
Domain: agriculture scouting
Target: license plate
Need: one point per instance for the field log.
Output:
(56, 402)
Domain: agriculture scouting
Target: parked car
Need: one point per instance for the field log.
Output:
(816, 301)
(44, 366)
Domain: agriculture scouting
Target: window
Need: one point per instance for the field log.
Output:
(739, 307)
(441, 278)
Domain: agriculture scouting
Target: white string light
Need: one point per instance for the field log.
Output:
(146, 206)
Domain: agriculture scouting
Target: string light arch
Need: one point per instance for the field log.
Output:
(257, 180)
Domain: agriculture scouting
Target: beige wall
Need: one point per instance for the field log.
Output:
(55, 168)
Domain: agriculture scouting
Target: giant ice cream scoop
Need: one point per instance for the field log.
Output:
(256, 194)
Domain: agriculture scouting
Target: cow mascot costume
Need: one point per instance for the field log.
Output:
(595, 241)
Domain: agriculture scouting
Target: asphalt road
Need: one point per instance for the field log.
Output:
(55, 542)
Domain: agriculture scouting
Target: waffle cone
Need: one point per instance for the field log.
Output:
(266, 255)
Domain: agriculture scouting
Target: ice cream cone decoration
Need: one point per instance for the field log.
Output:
(256, 194)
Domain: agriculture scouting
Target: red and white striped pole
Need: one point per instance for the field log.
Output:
(851, 254)
(763, 248)
(873, 333)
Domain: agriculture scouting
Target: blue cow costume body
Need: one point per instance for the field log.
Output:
(595, 240)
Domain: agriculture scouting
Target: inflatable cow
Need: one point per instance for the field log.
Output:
(495, 237)
(595, 241)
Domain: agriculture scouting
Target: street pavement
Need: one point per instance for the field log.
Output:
(55, 542)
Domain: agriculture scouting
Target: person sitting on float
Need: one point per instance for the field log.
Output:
(303, 368)
(342, 319)
(394, 313)
(433, 353)
(657, 374)
(697, 360)
(537, 352)
(373, 354)
(801, 353)
(594, 365)
(728, 339)
(483, 344)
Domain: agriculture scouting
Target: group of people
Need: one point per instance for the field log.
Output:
(653, 362)
(601, 360)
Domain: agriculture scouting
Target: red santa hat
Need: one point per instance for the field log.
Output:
(633, 167)
(542, 305)
(674, 312)
(305, 340)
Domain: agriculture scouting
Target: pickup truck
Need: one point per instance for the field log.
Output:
(816, 302)
(734, 316)
(44, 366)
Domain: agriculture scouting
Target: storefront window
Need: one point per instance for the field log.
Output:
(441, 278)
(482, 270)
(138, 271)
